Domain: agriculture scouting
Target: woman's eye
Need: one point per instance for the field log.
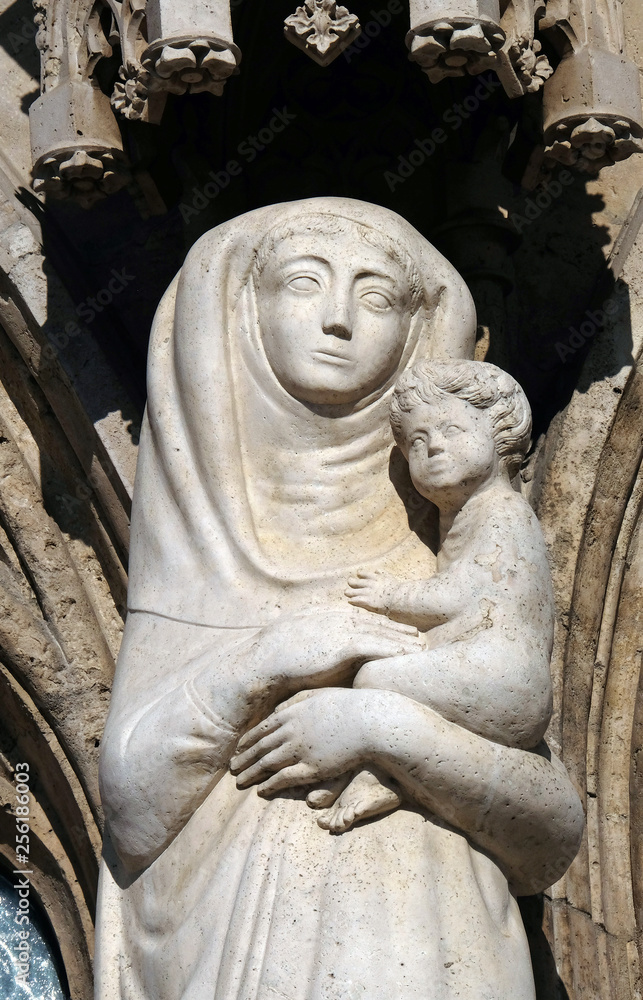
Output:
(377, 300)
(303, 283)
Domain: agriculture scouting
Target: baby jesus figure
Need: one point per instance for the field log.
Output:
(488, 612)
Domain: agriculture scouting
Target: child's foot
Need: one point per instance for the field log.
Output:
(327, 793)
(368, 794)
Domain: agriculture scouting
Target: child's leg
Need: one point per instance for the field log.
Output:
(370, 793)
(498, 688)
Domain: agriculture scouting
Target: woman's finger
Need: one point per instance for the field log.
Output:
(280, 758)
(389, 627)
(394, 629)
(240, 761)
(269, 725)
(289, 777)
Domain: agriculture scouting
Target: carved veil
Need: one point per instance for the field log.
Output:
(249, 503)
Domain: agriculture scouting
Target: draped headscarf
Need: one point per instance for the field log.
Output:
(248, 503)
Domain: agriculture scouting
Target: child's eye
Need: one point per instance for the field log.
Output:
(454, 429)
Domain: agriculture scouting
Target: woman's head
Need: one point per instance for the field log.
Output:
(486, 426)
(335, 302)
(234, 473)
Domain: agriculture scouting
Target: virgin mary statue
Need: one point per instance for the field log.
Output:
(267, 475)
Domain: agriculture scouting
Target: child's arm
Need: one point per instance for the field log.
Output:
(423, 603)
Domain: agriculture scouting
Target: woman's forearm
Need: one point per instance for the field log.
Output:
(182, 696)
(518, 806)
(184, 693)
(165, 743)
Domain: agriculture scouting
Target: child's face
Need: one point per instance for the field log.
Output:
(450, 449)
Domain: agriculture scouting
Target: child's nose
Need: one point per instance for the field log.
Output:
(434, 443)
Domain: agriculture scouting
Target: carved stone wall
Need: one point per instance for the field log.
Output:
(63, 544)
(590, 468)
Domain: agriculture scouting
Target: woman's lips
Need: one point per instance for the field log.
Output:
(332, 358)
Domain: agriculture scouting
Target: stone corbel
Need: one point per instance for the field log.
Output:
(190, 47)
(76, 144)
(455, 37)
(592, 104)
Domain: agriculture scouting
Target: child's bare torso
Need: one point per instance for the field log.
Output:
(492, 573)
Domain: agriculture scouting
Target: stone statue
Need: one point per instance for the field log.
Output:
(267, 478)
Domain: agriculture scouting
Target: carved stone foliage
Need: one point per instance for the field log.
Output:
(322, 29)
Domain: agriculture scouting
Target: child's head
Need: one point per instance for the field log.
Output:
(479, 384)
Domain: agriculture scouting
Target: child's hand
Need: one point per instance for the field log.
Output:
(371, 590)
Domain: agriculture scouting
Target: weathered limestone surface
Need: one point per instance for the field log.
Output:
(589, 502)
(65, 465)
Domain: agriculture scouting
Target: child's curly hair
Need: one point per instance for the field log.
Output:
(479, 383)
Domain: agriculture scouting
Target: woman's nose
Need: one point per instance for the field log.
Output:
(337, 320)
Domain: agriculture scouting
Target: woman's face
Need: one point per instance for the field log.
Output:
(334, 314)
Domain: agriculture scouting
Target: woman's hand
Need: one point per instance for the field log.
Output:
(327, 647)
(319, 736)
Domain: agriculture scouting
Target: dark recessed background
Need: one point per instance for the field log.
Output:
(352, 122)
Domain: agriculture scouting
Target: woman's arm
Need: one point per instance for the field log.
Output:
(161, 752)
(518, 806)
(183, 694)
